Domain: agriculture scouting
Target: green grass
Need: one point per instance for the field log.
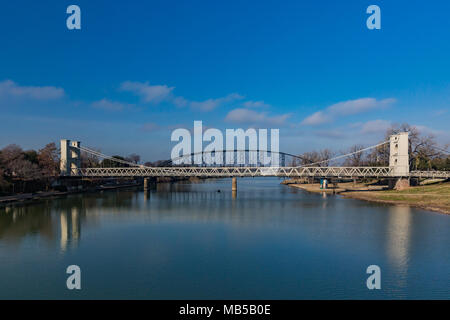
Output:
(436, 195)
(430, 197)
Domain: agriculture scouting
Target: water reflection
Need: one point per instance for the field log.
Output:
(70, 228)
(263, 238)
(63, 219)
(399, 241)
(21, 221)
(179, 202)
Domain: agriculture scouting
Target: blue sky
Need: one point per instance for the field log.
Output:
(139, 69)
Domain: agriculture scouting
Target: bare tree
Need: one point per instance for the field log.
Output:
(135, 158)
(48, 160)
(325, 154)
(356, 159)
(89, 160)
(318, 158)
(422, 148)
(379, 156)
(10, 155)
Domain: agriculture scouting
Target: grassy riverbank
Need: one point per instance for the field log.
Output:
(434, 197)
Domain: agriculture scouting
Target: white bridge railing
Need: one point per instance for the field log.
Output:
(235, 172)
(430, 174)
(337, 172)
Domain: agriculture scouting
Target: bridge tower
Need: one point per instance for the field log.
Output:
(399, 154)
(70, 157)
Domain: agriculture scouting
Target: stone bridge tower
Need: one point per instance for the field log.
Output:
(399, 154)
(70, 157)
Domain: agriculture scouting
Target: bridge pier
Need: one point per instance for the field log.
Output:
(148, 183)
(234, 184)
(399, 184)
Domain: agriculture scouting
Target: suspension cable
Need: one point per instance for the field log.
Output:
(104, 156)
(101, 155)
(345, 155)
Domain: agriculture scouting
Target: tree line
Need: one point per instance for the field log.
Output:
(31, 170)
(424, 153)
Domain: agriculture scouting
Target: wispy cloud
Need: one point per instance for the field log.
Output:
(212, 104)
(246, 116)
(9, 88)
(317, 118)
(156, 94)
(109, 105)
(345, 108)
(375, 126)
(255, 104)
(148, 93)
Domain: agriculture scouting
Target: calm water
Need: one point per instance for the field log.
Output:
(189, 241)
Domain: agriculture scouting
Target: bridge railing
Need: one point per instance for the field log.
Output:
(339, 172)
(431, 174)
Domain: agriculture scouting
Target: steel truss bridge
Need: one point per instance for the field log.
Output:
(330, 172)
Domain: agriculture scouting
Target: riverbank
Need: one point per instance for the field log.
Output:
(30, 197)
(433, 197)
(108, 185)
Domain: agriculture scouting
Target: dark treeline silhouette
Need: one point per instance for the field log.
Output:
(28, 171)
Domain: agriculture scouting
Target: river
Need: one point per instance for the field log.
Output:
(190, 241)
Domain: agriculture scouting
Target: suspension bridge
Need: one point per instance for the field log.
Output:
(398, 165)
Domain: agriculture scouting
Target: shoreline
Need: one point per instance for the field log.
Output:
(358, 196)
(380, 194)
(27, 198)
(349, 190)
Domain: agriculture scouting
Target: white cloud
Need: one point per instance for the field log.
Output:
(212, 104)
(358, 106)
(109, 105)
(148, 93)
(345, 108)
(247, 116)
(317, 118)
(180, 102)
(440, 134)
(255, 104)
(375, 126)
(11, 89)
(159, 93)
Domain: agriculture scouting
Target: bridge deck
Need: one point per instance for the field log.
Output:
(325, 172)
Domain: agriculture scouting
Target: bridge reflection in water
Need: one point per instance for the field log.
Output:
(184, 219)
(70, 228)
